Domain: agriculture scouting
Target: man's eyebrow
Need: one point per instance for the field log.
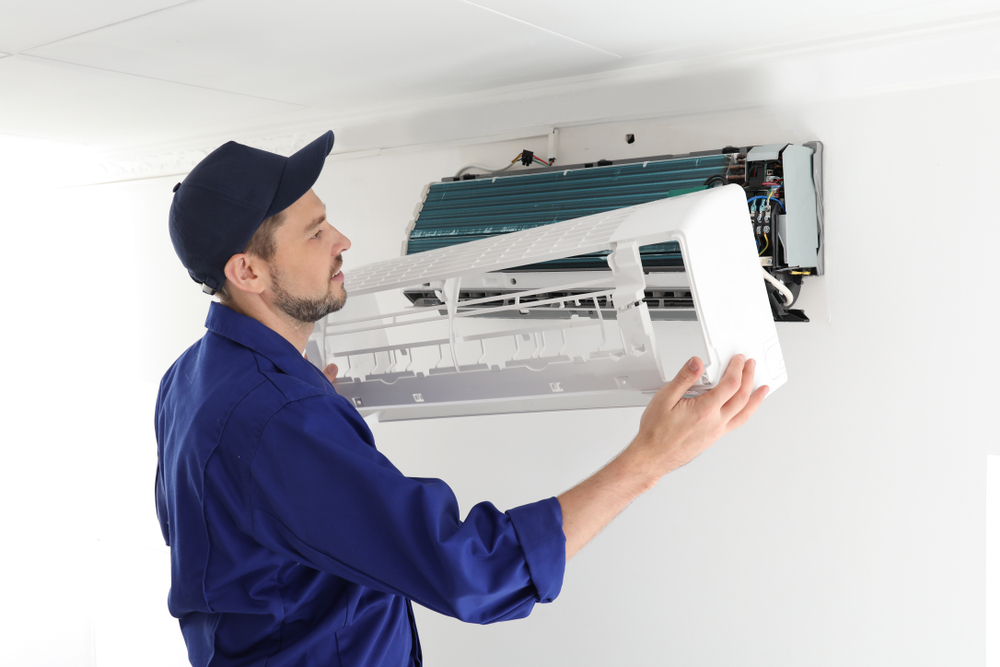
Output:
(316, 223)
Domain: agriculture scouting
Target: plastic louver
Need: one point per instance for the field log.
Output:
(411, 362)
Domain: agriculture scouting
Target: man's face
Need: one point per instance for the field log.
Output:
(306, 281)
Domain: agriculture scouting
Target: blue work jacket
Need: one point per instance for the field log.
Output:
(293, 541)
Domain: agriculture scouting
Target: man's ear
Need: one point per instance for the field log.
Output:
(245, 273)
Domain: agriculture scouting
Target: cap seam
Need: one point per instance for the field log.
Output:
(275, 195)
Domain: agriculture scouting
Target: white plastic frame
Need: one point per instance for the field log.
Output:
(524, 370)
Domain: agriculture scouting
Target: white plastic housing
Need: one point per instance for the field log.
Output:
(408, 362)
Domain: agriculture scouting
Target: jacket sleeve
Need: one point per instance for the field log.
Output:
(321, 495)
(160, 488)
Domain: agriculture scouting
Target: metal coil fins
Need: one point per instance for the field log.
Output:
(461, 211)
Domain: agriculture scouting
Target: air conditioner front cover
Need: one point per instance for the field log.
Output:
(410, 362)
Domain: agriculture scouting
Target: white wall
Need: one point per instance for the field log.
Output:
(89, 322)
(844, 525)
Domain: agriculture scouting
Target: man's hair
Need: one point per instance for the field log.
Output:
(261, 245)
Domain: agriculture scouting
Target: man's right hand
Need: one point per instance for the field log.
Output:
(674, 430)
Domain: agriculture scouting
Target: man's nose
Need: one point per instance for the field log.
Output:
(341, 244)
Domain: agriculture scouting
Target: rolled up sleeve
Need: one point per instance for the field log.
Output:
(322, 495)
(540, 533)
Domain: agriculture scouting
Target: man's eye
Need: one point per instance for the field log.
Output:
(316, 235)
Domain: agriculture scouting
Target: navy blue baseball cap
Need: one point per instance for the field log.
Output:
(221, 203)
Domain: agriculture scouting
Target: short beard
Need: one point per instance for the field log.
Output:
(303, 309)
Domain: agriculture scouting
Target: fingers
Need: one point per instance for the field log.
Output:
(331, 372)
(729, 384)
(683, 381)
(743, 415)
(742, 395)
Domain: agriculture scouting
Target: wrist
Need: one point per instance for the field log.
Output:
(639, 465)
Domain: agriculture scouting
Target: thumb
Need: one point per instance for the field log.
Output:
(331, 372)
(686, 377)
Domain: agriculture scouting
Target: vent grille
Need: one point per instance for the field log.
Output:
(461, 211)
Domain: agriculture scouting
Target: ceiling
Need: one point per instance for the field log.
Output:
(123, 74)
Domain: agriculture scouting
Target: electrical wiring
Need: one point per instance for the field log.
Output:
(780, 286)
(485, 168)
(764, 249)
(496, 169)
(781, 203)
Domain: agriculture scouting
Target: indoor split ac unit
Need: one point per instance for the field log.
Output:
(581, 287)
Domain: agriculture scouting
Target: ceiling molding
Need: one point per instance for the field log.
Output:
(148, 166)
(179, 162)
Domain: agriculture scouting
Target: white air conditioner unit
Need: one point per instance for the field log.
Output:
(781, 183)
(583, 339)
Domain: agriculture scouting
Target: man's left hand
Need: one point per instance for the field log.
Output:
(331, 372)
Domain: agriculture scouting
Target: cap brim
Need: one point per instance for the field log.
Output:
(300, 173)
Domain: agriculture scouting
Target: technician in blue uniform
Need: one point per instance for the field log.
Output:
(293, 541)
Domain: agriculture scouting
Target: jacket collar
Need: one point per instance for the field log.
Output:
(263, 340)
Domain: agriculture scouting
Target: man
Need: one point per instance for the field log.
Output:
(293, 540)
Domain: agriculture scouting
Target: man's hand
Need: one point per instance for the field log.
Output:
(331, 372)
(674, 430)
